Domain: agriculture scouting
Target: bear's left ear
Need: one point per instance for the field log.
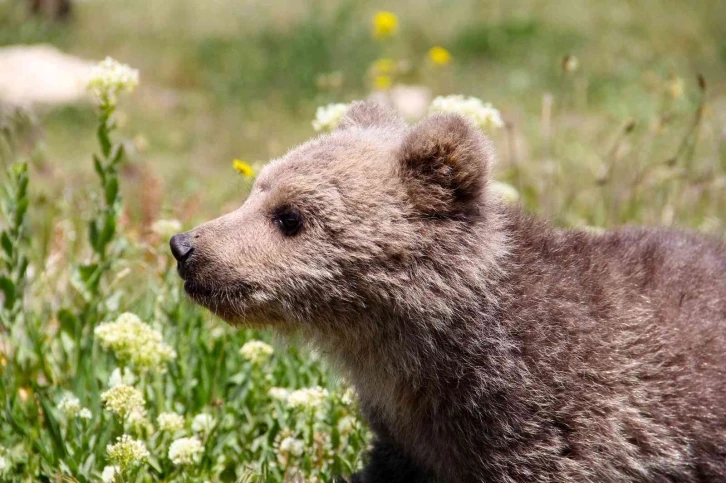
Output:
(444, 163)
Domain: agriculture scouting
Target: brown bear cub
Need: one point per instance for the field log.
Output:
(485, 345)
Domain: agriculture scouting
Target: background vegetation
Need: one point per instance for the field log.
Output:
(634, 132)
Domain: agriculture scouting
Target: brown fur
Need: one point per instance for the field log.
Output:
(485, 345)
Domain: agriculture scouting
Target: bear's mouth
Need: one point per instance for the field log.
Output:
(209, 295)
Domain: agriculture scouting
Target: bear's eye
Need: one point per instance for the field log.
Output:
(288, 221)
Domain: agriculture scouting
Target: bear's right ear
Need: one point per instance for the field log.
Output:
(444, 165)
(369, 114)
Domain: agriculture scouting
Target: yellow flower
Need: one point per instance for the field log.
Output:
(243, 168)
(439, 55)
(385, 24)
(382, 82)
(384, 66)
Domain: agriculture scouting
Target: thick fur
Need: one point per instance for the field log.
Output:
(485, 345)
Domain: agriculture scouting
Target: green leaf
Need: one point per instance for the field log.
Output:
(6, 244)
(93, 234)
(54, 429)
(103, 139)
(20, 210)
(117, 154)
(8, 288)
(109, 229)
(89, 275)
(111, 190)
(68, 320)
(99, 168)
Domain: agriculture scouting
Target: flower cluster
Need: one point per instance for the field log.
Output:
(483, 114)
(126, 452)
(203, 423)
(124, 401)
(170, 422)
(70, 405)
(256, 351)
(109, 78)
(308, 398)
(134, 341)
(184, 451)
(328, 117)
(287, 447)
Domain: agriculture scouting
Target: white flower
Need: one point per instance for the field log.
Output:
(184, 451)
(134, 341)
(348, 397)
(279, 393)
(203, 423)
(483, 114)
(70, 405)
(4, 465)
(109, 78)
(119, 377)
(328, 117)
(109, 474)
(288, 447)
(170, 422)
(124, 401)
(309, 398)
(256, 351)
(505, 191)
(126, 452)
(166, 228)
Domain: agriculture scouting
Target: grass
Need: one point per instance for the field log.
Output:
(630, 136)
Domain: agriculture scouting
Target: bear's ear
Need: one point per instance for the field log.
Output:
(369, 114)
(444, 163)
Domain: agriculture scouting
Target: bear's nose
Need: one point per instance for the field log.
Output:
(181, 246)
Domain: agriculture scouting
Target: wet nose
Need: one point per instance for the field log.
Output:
(181, 246)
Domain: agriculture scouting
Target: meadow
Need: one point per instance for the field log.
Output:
(613, 113)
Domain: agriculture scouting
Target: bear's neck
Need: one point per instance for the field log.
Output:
(443, 329)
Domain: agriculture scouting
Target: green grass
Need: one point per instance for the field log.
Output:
(604, 145)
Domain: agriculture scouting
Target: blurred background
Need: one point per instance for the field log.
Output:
(591, 92)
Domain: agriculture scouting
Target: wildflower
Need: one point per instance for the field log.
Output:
(109, 78)
(166, 228)
(256, 351)
(348, 397)
(279, 393)
(439, 55)
(288, 447)
(184, 451)
(126, 452)
(4, 465)
(132, 340)
(170, 422)
(309, 398)
(570, 63)
(203, 423)
(505, 191)
(70, 405)
(85, 413)
(124, 401)
(384, 66)
(243, 168)
(483, 114)
(109, 474)
(385, 24)
(121, 376)
(382, 82)
(328, 117)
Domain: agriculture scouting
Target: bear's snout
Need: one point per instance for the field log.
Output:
(182, 249)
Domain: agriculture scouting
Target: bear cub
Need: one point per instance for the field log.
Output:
(485, 345)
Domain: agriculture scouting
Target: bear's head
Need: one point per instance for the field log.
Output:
(364, 220)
